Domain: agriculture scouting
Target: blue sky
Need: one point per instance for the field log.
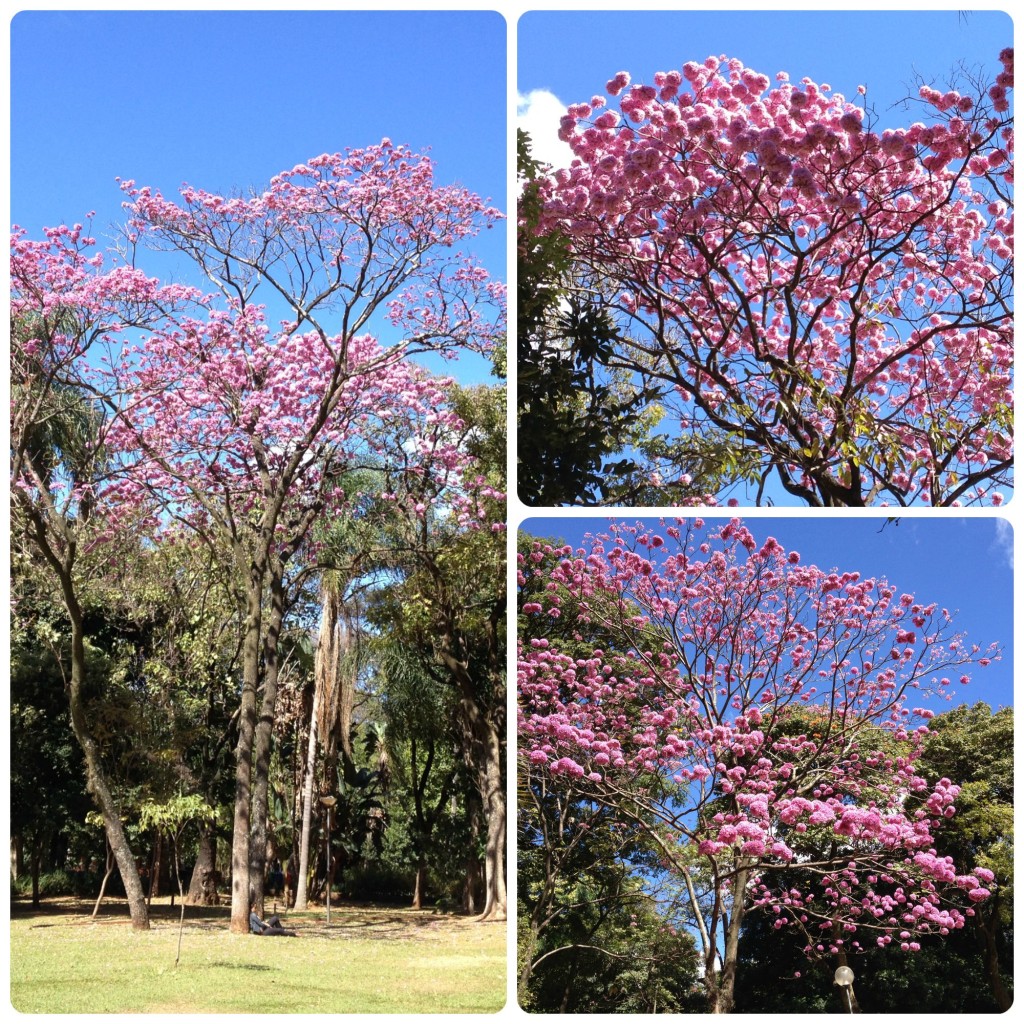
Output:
(225, 100)
(573, 56)
(963, 564)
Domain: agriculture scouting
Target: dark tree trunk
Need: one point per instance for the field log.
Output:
(58, 851)
(720, 986)
(986, 925)
(566, 992)
(36, 859)
(425, 817)
(485, 746)
(481, 750)
(202, 889)
(264, 746)
(473, 882)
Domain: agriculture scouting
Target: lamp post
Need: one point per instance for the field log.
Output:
(328, 802)
(844, 979)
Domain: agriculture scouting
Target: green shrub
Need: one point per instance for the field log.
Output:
(58, 883)
(376, 881)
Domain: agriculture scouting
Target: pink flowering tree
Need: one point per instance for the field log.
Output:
(243, 431)
(761, 719)
(832, 293)
(240, 431)
(66, 310)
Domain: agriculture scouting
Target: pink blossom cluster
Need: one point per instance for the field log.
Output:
(221, 410)
(68, 313)
(372, 215)
(760, 704)
(798, 252)
(215, 419)
(63, 275)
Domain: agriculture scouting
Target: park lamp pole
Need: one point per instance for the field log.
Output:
(328, 802)
(844, 979)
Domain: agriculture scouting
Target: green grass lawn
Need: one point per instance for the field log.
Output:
(371, 960)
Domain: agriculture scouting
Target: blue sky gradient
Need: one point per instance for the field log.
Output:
(573, 56)
(225, 100)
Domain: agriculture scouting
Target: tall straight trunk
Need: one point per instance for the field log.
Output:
(482, 729)
(264, 743)
(419, 885)
(302, 877)
(496, 903)
(419, 784)
(326, 678)
(483, 750)
(243, 758)
(986, 924)
(474, 868)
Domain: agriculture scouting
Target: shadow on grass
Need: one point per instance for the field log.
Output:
(350, 920)
(113, 910)
(233, 967)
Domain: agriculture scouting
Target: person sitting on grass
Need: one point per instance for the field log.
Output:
(272, 926)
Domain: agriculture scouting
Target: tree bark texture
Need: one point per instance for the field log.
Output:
(243, 763)
(484, 755)
(264, 745)
(204, 873)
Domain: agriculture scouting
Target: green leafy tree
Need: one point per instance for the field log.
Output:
(446, 605)
(591, 938)
(57, 455)
(423, 736)
(171, 818)
(968, 971)
(48, 798)
(975, 746)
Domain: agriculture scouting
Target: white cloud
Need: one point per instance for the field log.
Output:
(538, 114)
(1004, 540)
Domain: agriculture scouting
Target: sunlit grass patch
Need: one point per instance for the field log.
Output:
(371, 960)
